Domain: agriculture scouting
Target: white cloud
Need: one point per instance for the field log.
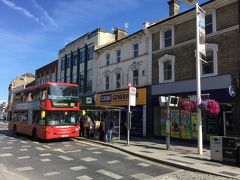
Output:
(22, 10)
(44, 13)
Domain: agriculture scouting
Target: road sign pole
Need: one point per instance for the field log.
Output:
(168, 124)
(129, 117)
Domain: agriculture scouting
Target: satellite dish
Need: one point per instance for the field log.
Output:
(190, 2)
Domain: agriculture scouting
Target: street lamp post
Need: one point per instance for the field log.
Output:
(198, 79)
(200, 49)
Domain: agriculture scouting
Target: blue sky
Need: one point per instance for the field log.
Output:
(32, 31)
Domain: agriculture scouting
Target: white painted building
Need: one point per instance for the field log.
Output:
(128, 60)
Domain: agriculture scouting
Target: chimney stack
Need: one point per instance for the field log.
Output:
(119, 33)
(174, 7)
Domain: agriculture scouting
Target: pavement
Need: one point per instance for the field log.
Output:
(183, 156)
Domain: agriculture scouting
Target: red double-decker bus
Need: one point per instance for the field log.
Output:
(46, 111)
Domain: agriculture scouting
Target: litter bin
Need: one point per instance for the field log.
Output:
(216, 148)
(230, 149)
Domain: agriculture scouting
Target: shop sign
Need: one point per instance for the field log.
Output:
(120, 98)
(232, 91)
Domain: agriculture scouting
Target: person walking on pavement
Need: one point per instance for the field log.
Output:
(87, 125)
(82, 127)
(108, 136)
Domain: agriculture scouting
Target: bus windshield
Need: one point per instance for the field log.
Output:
(60, 118)
(62, 92)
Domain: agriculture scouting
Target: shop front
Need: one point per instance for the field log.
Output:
(183, 122)
(120, 99)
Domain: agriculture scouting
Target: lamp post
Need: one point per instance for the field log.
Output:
(200, 50)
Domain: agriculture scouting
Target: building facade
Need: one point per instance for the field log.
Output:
(47, 73)
(174, 70)
(119, 63)
(76, 62)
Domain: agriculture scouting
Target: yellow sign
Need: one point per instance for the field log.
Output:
(120, 98)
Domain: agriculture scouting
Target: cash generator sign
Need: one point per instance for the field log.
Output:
(120, 98)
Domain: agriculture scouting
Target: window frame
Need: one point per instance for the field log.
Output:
(107, 83)
(135, 51)
(161, 62)
(135, 78)
(162, 37)
(107, 57)
(214, 49)
(118, 81)
(118, 55)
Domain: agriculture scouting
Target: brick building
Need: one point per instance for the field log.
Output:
(174, 68)
(47, 73)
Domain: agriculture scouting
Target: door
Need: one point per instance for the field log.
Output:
(227, 122)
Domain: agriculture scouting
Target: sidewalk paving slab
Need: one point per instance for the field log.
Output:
(180, 156)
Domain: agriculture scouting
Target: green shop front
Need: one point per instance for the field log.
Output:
(183, 122)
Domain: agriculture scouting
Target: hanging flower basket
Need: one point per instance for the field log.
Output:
(210, 106)
(213, 107)
(188, 105)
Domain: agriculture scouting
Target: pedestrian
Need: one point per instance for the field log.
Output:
(87, 125)
(108, 136)
(92, 128)
(81, 126)
(101, 130)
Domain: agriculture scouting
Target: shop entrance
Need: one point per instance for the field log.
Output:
(227, 122)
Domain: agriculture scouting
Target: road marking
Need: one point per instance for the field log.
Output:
(73, 151)
(130, 158)
(45, 154)
(85, 177)
(113, 162)
(27, 146)
(59, 150)
(24, 142)
(109, 174)
(92, 149)
(45, 160)
(23, 157)
(144, 164)
(88, 159)
(142, 176)
(23, 149)
(67, 145)
(96, 152)
(7, 148)
(40, 148)
(77, 168)
(6, 155)
(35, 142)
(27, 168)
(12, 140)
(9, 142)
(52, 173)
(65, 158)
(46, 146)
